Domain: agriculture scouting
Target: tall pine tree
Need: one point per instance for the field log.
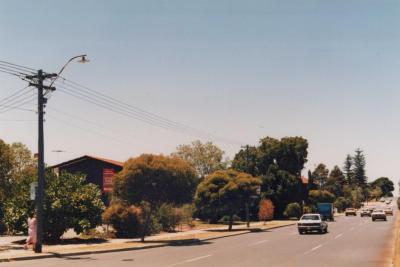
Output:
(348, 169)
(359, 176)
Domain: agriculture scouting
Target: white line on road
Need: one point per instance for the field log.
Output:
(339, 235)
(198, 258)
(189, 260)
(314, 248)
(259, 242)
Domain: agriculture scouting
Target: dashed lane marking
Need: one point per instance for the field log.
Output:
(259, 242)
(198, 258)
(315, 248)
(339, 235)
(190, 260)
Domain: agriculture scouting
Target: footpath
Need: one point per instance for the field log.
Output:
(12, 250)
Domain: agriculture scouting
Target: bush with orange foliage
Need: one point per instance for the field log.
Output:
(266, 210)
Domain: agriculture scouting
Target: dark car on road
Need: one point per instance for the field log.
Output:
(365, 212)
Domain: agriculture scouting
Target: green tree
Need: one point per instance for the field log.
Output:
(292, 154)
(225, 192)
(70, 203)
(204, 157)
(335, 182)
(385, 184)
(281, 187)
(22, 159)
(320, 175)
(293, 210)
(246, 160)
(348, 169)
(359, 168)
(320, 196)
(311, 185)
(6, 167)
(341, 203)
(375, 192)
(269, 149)
(152, 180)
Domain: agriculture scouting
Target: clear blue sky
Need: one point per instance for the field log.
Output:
(325, 70)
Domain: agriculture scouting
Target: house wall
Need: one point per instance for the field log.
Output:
(93, 169)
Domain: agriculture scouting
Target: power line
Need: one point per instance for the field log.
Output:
(108, 102)
(14, 94)
(11, 73)
(106, 106)
(18, 104)
(20, 66)
(18, 69)
(17, 107)
(89, 131)
(78, 118)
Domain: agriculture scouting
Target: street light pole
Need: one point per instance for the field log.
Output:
(37, 81)
(39, 78)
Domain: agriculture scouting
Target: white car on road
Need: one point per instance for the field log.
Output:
(378, 214)
(312, 222)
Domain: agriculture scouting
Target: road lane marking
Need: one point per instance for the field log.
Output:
(198, 258)
(189, 260)
(259, 242)
(339, 235)
(315, 248)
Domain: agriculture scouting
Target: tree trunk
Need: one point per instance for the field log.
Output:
(230, 222)
(246, 207)
(146, 225)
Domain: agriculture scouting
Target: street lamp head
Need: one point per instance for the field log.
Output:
(83, 59)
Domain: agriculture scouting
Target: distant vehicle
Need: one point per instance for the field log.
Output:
(326, 211)
(388, 211)
(365, 212)
(350, 211)
(378, 214)
(312, 222)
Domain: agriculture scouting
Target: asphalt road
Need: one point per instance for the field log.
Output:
(351, 241)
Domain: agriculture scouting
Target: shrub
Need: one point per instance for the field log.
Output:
(169, 217)
(126, 220)
(293, 210)
(70, 203)
(341, 203)
(266, 210)
(225, 219)
(187, 214)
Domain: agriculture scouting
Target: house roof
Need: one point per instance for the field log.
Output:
(85, 157)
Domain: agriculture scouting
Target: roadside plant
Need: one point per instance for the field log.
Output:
(149, 181)
(70, 203)
(293, 210)
(223, 193)
(266, 210)
(126, 220)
